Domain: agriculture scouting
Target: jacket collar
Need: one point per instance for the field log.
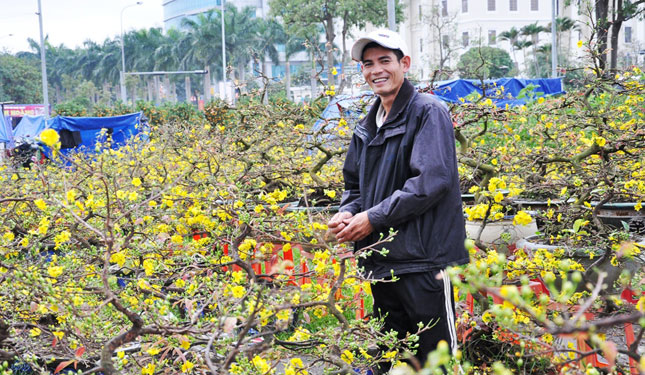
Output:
(401, 101)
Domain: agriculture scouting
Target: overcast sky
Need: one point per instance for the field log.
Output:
(71, 22)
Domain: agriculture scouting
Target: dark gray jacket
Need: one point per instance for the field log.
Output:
(405, 175)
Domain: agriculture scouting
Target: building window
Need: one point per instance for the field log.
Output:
(445, 40)
(420, 13)
(491, 5)
(464, 39)
(444, 8)
(464, 6)
(535, 5)
(492, 36)
(512, 5)
(628, 34)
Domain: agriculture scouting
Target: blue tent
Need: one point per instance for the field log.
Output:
(83, 133)
(501, 91)
(5, 131)
(345, 106)
(29, 127)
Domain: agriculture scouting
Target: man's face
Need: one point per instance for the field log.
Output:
(383, 71)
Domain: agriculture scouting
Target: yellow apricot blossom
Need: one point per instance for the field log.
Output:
(49, 137)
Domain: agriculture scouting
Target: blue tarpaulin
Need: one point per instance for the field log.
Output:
(83, 133)
(5, 131)
(29, 127)
(502, 92)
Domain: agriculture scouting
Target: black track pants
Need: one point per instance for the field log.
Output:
(414, 298)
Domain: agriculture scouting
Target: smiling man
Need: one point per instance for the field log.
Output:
(401, 173)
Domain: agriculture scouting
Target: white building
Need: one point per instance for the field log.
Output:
(462, 24)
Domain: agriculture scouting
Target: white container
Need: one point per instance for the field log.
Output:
(494, 230)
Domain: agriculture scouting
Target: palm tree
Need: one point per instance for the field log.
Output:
(563, 25)
(89, 58)
(60, 62)
(143, 44)
(544, 60)
(269, 33)
(204, 34)
(107, 72)
(166, 58)
(511, 36)
(522, 45)
(241, 27)
(293, 45)
(533, 31)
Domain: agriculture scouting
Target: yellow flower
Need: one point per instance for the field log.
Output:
(580, 44)
(40, 204)
(35, 332)
(600, 141)
(148, 370)
(238, 291)
(120, 354)
(640, 305)
(136, 181)
(187, 366)
(184, 344)
(62, 237)
(54, 271)
(118, 258)
(153, 351)
(296, 362)
(149, 267)
(50, 137)
(334, 71)
(347, 356)
(235, 369)
(522, 218)
(261, 365)
(390, 354)
(143, 284)
(238, 277)
(614, 261)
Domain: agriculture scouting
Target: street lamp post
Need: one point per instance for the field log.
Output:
(43, 62)
(124, 96)
(554, 40)
(391, 19)
(223, 52)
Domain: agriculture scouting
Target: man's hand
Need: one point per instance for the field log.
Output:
(337, 222)
(357, 228)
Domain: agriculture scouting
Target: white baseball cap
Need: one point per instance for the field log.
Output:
(384, 37)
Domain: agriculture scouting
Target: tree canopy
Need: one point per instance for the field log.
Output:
(19, 80)
(484, 62)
